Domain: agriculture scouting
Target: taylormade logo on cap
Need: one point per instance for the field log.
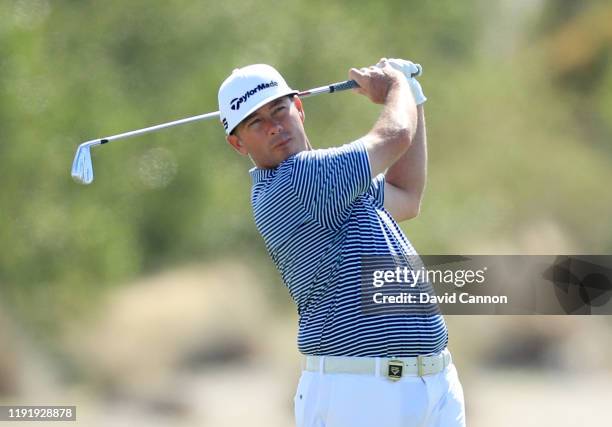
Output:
(248, 89)
(236, 102)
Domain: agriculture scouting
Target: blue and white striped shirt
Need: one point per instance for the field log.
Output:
(320, 212)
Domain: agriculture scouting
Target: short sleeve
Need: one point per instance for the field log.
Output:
(328, 181)
(377, 190)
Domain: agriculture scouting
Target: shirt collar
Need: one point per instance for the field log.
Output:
(258, 175)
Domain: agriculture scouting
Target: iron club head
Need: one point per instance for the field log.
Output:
(82, 168)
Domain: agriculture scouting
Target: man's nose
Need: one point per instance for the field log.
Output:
(274, 127)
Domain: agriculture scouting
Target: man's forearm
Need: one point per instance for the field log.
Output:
(409, 172)
(394, 130)
(398, 114)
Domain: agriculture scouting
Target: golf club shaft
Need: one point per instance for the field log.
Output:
(212, 115)
(334, 87)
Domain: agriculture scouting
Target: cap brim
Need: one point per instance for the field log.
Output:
(261, 104)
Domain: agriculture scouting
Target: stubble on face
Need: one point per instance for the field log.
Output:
(274, 132)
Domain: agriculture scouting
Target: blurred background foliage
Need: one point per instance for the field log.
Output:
(519, 122)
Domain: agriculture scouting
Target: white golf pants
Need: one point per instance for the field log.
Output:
(357, 400)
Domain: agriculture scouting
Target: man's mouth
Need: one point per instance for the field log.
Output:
(282, 142)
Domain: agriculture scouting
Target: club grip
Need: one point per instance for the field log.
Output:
(349, 84)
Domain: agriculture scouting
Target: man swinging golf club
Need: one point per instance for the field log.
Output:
(321, 212)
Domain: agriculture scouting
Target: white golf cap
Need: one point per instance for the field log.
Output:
(248, 89)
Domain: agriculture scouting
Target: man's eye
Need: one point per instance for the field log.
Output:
(279, 109)
(253, 122)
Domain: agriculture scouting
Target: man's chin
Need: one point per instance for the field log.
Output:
(284, 153)
(292, 151)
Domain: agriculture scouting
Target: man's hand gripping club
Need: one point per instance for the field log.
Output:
(394, 130)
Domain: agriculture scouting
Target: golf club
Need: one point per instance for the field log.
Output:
(82, 167)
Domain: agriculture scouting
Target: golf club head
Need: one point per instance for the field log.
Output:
(82, 168)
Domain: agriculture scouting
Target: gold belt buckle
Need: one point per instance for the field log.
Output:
(395, 369)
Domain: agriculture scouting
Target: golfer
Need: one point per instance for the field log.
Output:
(321, 212)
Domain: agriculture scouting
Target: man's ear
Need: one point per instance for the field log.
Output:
(237, 144)
(298, 104)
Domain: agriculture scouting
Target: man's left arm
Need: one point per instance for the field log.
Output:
(405, 179)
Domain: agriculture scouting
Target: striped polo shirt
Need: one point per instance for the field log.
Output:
(320, 213)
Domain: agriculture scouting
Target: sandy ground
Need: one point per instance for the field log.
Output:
(532, 399)
(160, 354)
(262, 396)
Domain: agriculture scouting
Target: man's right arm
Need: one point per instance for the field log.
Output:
(395, 128)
